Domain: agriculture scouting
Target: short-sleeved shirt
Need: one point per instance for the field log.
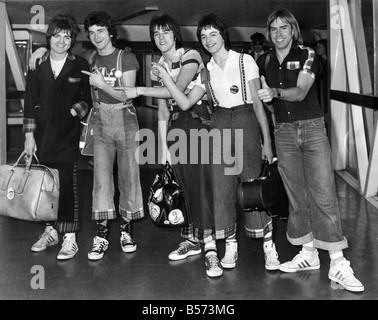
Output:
(181, 58)
(108, 67)
(227, 83)
(300, 59)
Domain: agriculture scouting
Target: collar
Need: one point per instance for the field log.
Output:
(70, 56)
(177, 57)
(294, 49)
(211, 64)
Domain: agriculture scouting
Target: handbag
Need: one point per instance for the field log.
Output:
(166, 203)
(86, 143)
(263, 193)
(29, 191)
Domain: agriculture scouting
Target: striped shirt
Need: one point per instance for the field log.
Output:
(181, 58)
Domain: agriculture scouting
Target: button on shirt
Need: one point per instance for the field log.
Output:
(300, 59)
(227, 83)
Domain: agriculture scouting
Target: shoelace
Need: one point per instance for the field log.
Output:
(184, 246)
(98, 245)
(67, 245)
(346, 271)
(271, 255)
(126, 238)
(303, 255)
(230, 253)
(213, 260)
(44, 238)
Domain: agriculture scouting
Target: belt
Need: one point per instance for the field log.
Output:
(112, 106)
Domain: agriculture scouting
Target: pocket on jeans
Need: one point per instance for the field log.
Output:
(278, 127)
(317, 123)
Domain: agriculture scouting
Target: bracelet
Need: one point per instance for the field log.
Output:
(136, 91)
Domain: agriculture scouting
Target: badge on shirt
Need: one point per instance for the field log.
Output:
(234, 89)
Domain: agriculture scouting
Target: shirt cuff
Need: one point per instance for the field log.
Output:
(81, 109)
(30, 125)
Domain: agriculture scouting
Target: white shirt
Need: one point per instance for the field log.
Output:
(227, 83)
(57, 66)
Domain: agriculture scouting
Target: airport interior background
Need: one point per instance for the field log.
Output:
(350, 106)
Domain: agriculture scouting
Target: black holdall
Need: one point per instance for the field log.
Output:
(166, 203)
(29, 191)
(265, 192)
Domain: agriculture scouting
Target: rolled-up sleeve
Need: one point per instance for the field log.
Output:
(81, 108)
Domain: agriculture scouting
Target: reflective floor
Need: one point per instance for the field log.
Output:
(147, 274)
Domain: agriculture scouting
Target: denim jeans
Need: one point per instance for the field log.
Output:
(244, 144)
(114, 137)
(304, 162)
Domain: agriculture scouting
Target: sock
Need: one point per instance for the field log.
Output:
(125, 225)
(336, 256)
(309, 246)
(102, 230)
(210, 247)
(231, 238)
(268, 240)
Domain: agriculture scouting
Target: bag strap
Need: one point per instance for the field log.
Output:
(267, 59)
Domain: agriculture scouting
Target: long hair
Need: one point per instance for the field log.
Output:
(62, 22)
(212, 20)
(167, 23)
(101, 19)
(286, 16)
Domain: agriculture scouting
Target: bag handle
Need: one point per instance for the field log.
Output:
(265, 171)
(28, 161)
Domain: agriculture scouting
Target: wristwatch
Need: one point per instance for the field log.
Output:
(277, 94)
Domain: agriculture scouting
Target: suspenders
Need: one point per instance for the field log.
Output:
(205, 76)
(95, 95)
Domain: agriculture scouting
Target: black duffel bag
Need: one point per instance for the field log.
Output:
(265, 193)
(166, 204)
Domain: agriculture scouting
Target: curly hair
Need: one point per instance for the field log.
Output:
(62, 22)
(102, 19)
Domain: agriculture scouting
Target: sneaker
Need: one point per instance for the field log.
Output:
(127, 243)
(100, 245)
(184, 250)
(68, 250)
(231, 255)
(305, 260)
(46, 239)
(271, 258)
(213, 267)
(342, 273)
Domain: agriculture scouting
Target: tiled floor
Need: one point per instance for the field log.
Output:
(148, 274)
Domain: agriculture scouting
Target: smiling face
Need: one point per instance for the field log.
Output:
(100, 38)
(164, 39)
(60, 42)
(212, 40)
(281, 34)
